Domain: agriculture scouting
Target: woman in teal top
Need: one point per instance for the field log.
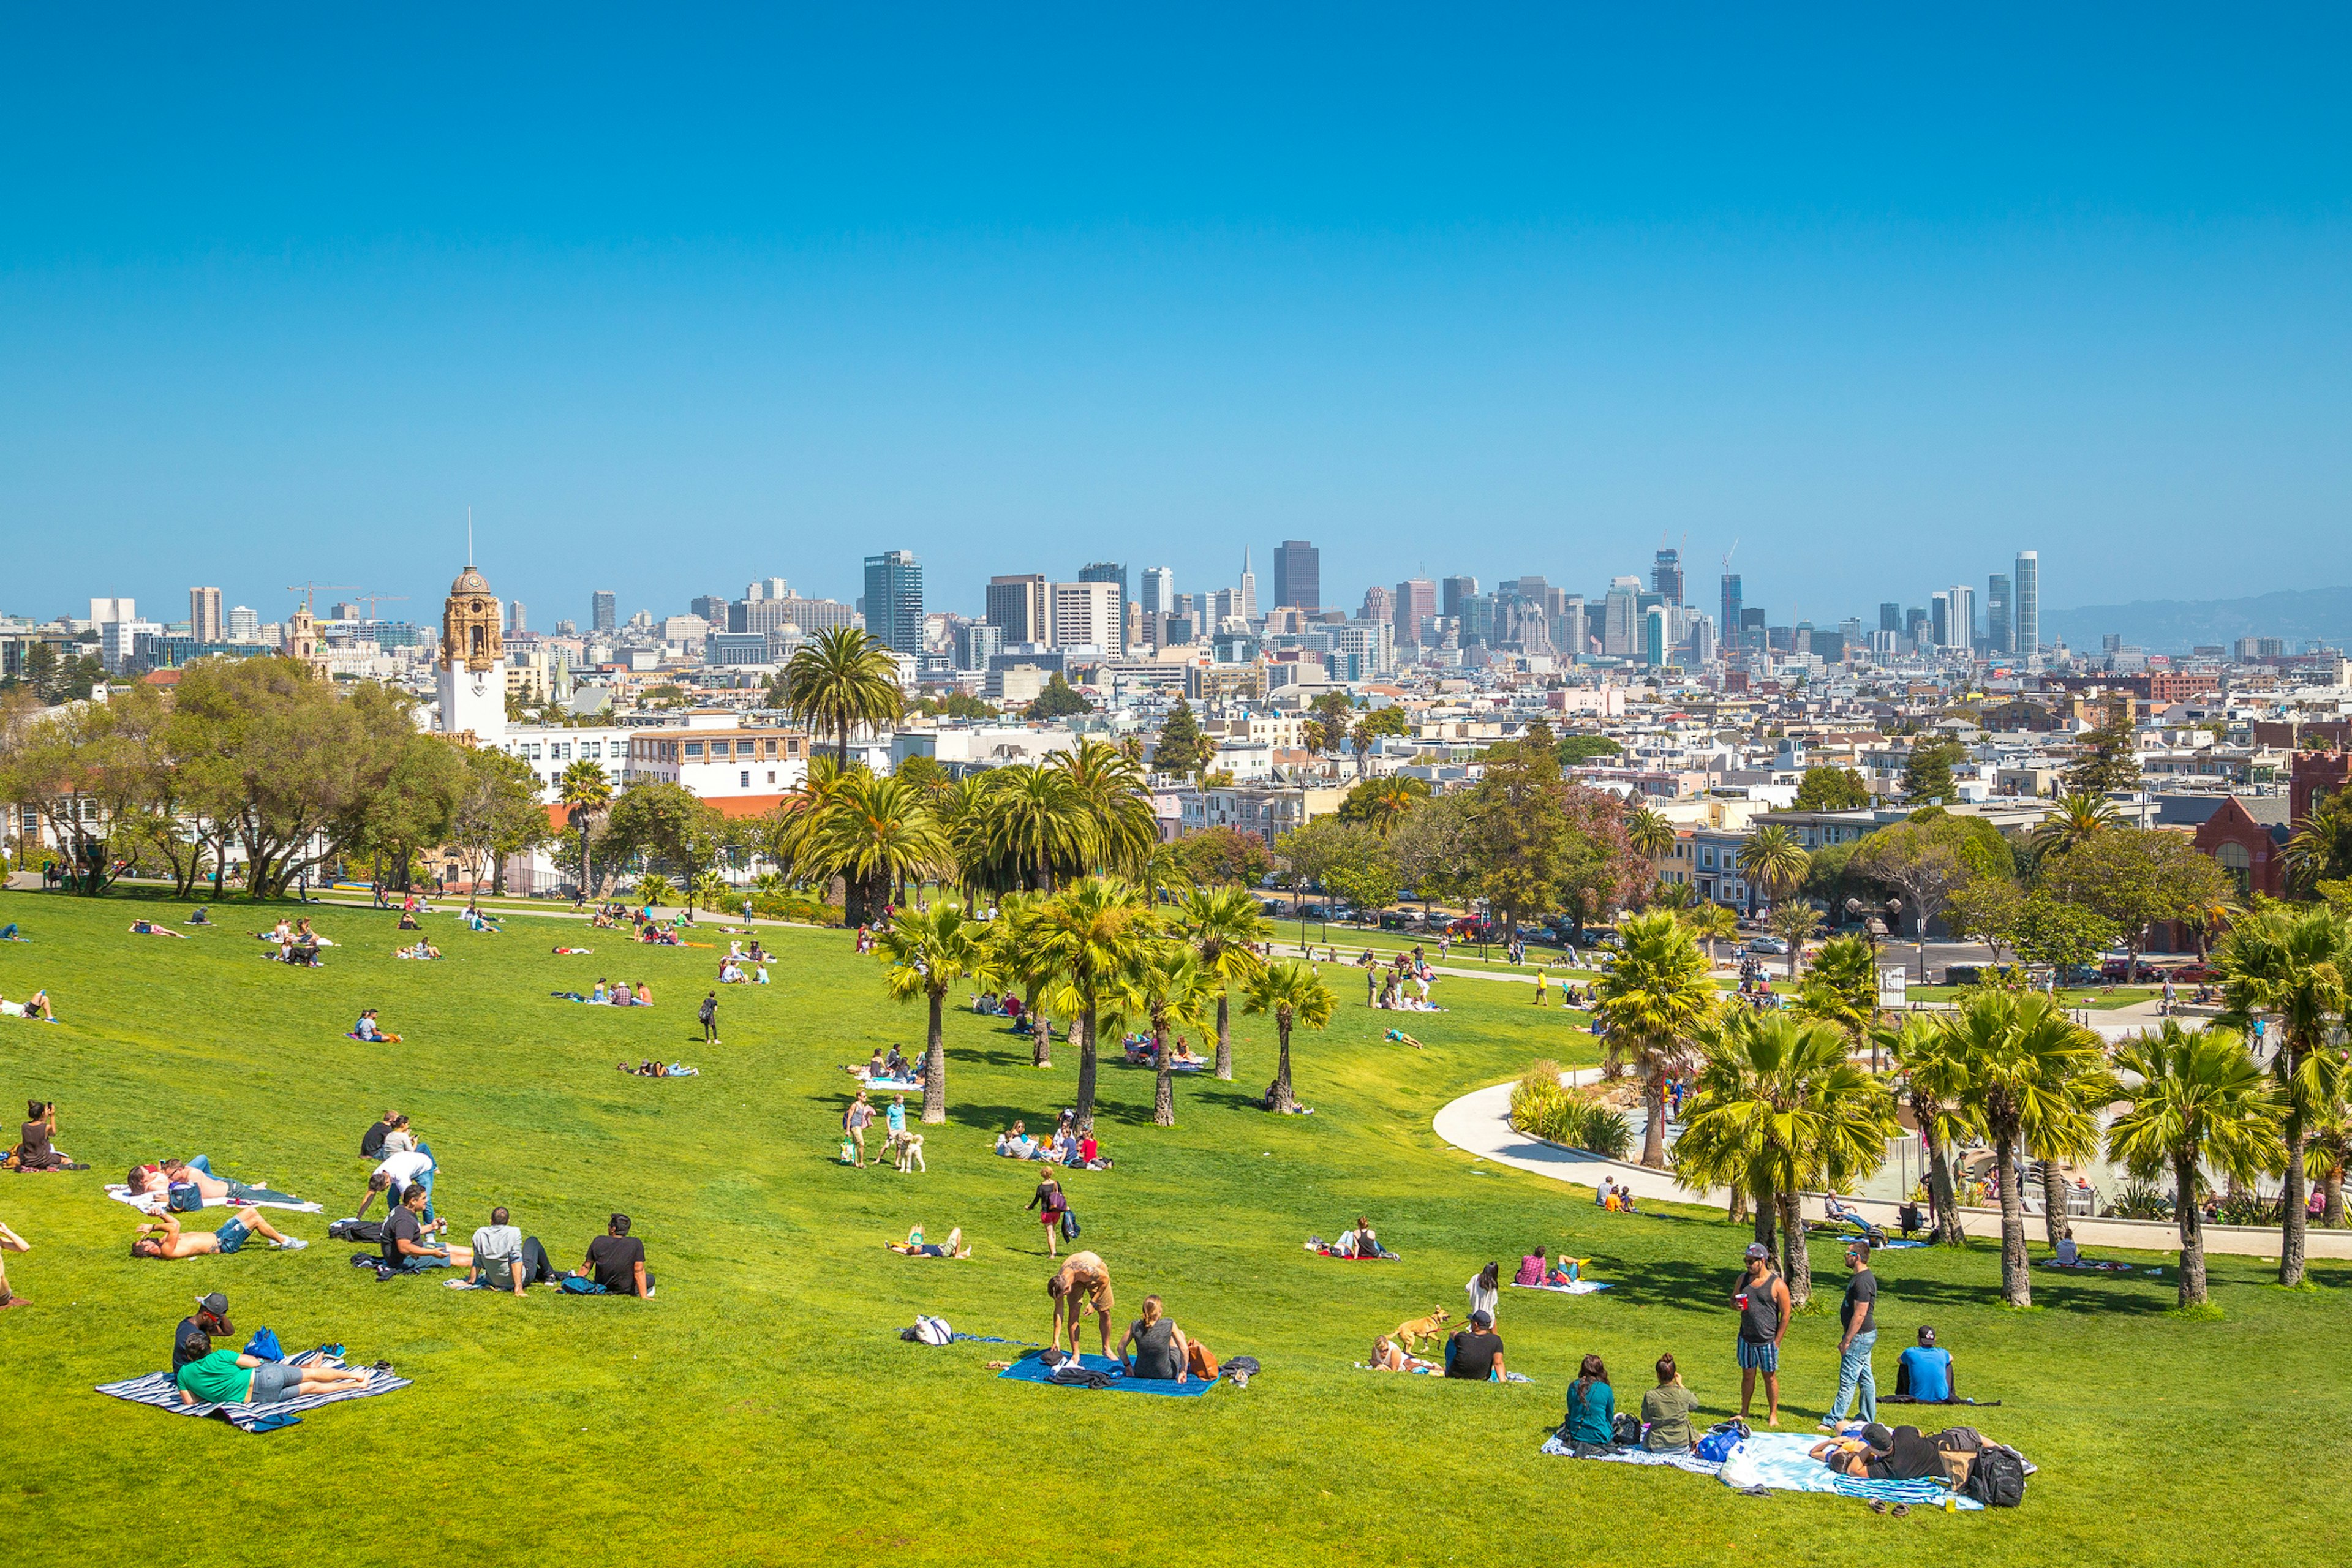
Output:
(1592, 1406)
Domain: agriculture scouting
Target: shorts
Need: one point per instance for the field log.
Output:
(274, 1380)
(232, 1235)
(1759, 1357)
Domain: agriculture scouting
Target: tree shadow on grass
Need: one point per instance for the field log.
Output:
(996, 1058)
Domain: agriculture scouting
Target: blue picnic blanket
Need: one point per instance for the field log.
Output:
(1679, 1459)
(1783, 1462)
(161, 1391)
(1030, 1369)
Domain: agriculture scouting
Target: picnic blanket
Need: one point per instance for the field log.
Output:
(1439, 1371)
(157, 1389)
(1783, 1462)
(894, 1085)
(153, 1203)
(2086, 1266)
(1030, 1369)
(1575, 1288)
(1680, 1459)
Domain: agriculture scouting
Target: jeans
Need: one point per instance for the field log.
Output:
(1856, 1375)
(201, 1162)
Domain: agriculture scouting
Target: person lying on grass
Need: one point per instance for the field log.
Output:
(162, 1238)
(149, 928)
(1389, 1356)
(197, 1172)
(227, 1377)
(1080, 1285)
(1159, 1348)
(37, 1008)
(916, 1247)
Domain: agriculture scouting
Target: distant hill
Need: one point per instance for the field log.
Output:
(2176, 625)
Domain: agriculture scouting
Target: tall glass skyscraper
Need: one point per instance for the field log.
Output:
(2026, 617)
(894, 600)
(1299, 575)
(1731, 599)
(1999, 623)
(601, 612)
(1159, 591)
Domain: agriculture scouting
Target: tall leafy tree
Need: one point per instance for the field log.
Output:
(2200, 1101)
(1710, 924)
(840, 679)
(1223, 928)
(1927, 770)
(2296, 966)
(1057, 701)
(925, 951)
(2135, 878)
(2106, 758)
(1831, 788)
(1292, 993)
(667, 824)
(1843, 989)
(1225, 857)
(498, 813)
(1032, 832)
(1181, 748)
(1653, 1003)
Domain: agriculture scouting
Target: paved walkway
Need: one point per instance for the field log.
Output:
(1479, 1123)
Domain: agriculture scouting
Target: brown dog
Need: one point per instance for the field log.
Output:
(1411, 1334)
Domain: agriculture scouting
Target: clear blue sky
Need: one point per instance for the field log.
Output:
(673, 298)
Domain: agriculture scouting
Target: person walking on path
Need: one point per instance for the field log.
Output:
(1764, 1312)
(1051, 1205)
(709, 1016)
(1861, 1337)
(1542, 974)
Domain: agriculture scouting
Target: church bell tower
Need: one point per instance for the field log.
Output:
(473, 662)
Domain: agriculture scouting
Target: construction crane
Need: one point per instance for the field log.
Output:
(374, 599)
(311, 590)
(1729, 553)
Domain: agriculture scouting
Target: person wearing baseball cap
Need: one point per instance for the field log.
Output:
(1477, 1353)
(1764, 1313)
(193, 1340)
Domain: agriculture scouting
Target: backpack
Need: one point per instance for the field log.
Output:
(1069, 1225)
(1625, 1430)
(1720, 1439)
(929, 1331)
(1997, 1480)
(366, 1231)
(1201, 1361)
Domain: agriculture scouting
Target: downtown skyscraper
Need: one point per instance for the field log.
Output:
(2025, 616)
(894, 600)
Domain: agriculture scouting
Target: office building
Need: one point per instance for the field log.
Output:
(1159, 591)
(244, 625)
(713, 608)
(2025, 591)
(894, 601)
(1917, 626)
(1416, 606)
(1245, 591)
(1298, 575)
(1890, 616)
(1752, 627)
(204, 614)
(1572, 627)
(1476, 626)
(518, 622)
(1019, 607)
(602, 614)
(1963, 611)
(1666, 576)
(1731, 599)
(1087, 614)
(1452, 592)
(1621, 630)
(1999, 634)
(1939, 618)
(976, 642)
(1379, 605)
(1108, 572)
(1656, 640)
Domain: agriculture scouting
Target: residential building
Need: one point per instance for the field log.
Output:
(1087, 614)
(244, 625)
(976, 642)
(1963, 611)
(602, 615)
(204, 614)
(894, 601)
(1299, 575)
(715, 759)
(1268, 811)
(2025, 593)
(1019, 607)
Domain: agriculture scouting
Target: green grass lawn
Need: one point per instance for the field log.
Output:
(763, 1409)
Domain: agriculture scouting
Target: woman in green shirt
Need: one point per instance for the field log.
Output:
(225, 1377)
(1591, 1406)
(1667, 1412)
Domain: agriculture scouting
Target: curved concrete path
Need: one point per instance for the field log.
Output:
(1480, 1123)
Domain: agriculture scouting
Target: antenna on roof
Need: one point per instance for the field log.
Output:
(469, 536)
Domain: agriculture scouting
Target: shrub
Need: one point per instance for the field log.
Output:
(798, 907)
(1539, 1102)
(1603, 1132)
(2140, 1201)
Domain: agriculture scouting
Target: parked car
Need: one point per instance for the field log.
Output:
(1976, 974)
(1774, 945)
(1313, 912)
(2195, 975)
(2078, 974)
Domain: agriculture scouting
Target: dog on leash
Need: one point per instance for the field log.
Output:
(1411, 1334)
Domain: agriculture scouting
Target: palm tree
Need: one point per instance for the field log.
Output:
(1033, 830)
(2021, 1059)
(1223, 926)
(653, 889)
(2075, 820)
(928, 951)
(1650, 834)
(2321, 846)
(2327, 1147)
(1652, 1002)
(1779, 1107)
(1164, 985)
(585, 791)
(1390, 799)
(1774, 860)
(1295, 994)
(1795, 924)
(1022, 962)
(1843, 989)
(840, 679)
(873, 833)
(2071, 1137)
(1120, 830)
(710, 888)
(1932, 1072)
(1710, 924)
(1085, 936)
(2201, 1100)
(2297, 966)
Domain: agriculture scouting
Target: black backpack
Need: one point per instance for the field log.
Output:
(1626, 1428)
(367, 1231)
(1997, 1480)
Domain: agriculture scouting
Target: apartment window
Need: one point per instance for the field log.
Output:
(747, 780)
(694, 748)
(772, 775)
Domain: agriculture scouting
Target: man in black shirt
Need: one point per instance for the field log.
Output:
(1476, 1351)
(1860, 1338)
(404, 1246)
(372, 1140)
(616, 1262)
(194, 1339)
(708, 1014)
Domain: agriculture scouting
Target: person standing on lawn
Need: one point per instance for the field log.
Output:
(709, 1016)
(1861, 1337)
(1764, 1312)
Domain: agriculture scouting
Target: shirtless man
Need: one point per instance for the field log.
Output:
(163, 1239)
(198, 1172)
(1082, 1282)
(10, 1242)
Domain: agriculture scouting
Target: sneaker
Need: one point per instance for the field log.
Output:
(292, 1244)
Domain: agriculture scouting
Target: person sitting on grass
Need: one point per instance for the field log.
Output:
(11, 1242)
(372, 1140)
(506, 1259)
(37, 1150)
(1389, 1356)
(407, 921)
(615, 1265)
(368, 1029)
(1475, 1352)
(149, 928)
(1160, 1350)
(1667, 1412)
(398, 1139)
(1080, 1285)
(1924, 1373)
(228, 1377)
(192, 1340)
(1591, 1407)
(1533, 1269)
(162, 1238)
(916, 1247)
(405, 1250)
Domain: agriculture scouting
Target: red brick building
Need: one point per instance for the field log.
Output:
(2317, 775)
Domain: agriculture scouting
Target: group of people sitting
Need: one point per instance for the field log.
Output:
(1614, 1196)
(1540, 1268)
(885, 1068)
(423, 949)
(989, 1005)
(741, 968)
(1386, 986)
(616, 993)
(209, 1376)
(1359, 1241)
(296, 942)
(34, 1007)
(371, 1031)
(1141, 1051)
(1068, 1146)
